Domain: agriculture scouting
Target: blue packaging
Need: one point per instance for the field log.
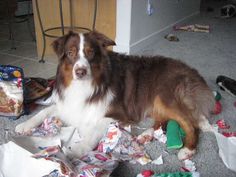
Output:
(11, 91)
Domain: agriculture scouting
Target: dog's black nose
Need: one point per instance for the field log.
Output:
(80, 72)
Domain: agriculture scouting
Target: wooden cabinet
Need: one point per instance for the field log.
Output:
(82, 16)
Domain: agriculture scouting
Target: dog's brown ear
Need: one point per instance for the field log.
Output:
(104, 40)
(59, 44)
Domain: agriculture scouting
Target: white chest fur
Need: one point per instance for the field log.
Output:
(73, 109)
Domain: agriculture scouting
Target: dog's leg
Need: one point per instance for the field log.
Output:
(204, 125)
(160, 122)
(35, 120)
(190, 142)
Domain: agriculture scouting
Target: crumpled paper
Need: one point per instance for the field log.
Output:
(227, 150)
(51, 126)
(122, 145)
(94, 164)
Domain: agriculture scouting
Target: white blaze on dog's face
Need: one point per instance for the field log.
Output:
(81, 57)
(81, 69)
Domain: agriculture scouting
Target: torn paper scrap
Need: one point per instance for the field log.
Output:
(122, 145)
(94, 164)
(189, 166)
(222, 124)
(32, 144)
(51, 126)
(160, 136)
(146, 136)
(158, 161)
(144, 159)
(229, 134)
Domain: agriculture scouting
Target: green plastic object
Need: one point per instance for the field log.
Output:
(217, 95)
(176, 174)
(174, 135)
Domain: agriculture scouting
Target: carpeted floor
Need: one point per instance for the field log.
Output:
(212, 54)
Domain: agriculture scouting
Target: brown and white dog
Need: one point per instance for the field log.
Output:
(95, 86)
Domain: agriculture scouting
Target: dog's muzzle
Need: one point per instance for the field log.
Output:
(80, 72)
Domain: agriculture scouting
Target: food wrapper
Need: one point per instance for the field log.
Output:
(122, 145)
(11, 91)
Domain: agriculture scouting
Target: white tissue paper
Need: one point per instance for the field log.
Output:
(227, 150)
(15, 161)
(15, 156)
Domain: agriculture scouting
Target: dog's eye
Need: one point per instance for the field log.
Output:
(89, 52)
(72, 52)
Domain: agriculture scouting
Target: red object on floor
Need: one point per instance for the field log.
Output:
(229, 134)
(222, 124)
(218, 108)
(147, 173)
(184, 169)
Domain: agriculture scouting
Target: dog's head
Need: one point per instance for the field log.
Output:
(81, 56)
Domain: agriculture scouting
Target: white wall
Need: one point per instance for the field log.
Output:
(123, 25)
(135, 28)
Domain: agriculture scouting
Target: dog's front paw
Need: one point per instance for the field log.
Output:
(23, 128)
(186, 153)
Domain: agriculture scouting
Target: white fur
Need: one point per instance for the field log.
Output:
(73, 110)
(88, 118)
(185, 153)
(36, 120)
(204, 125)
(82, 62)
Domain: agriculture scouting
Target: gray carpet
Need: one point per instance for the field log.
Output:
(212, 54)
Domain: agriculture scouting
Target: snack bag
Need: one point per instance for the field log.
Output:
(11, 91)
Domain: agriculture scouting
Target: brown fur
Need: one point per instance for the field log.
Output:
(158, 86)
